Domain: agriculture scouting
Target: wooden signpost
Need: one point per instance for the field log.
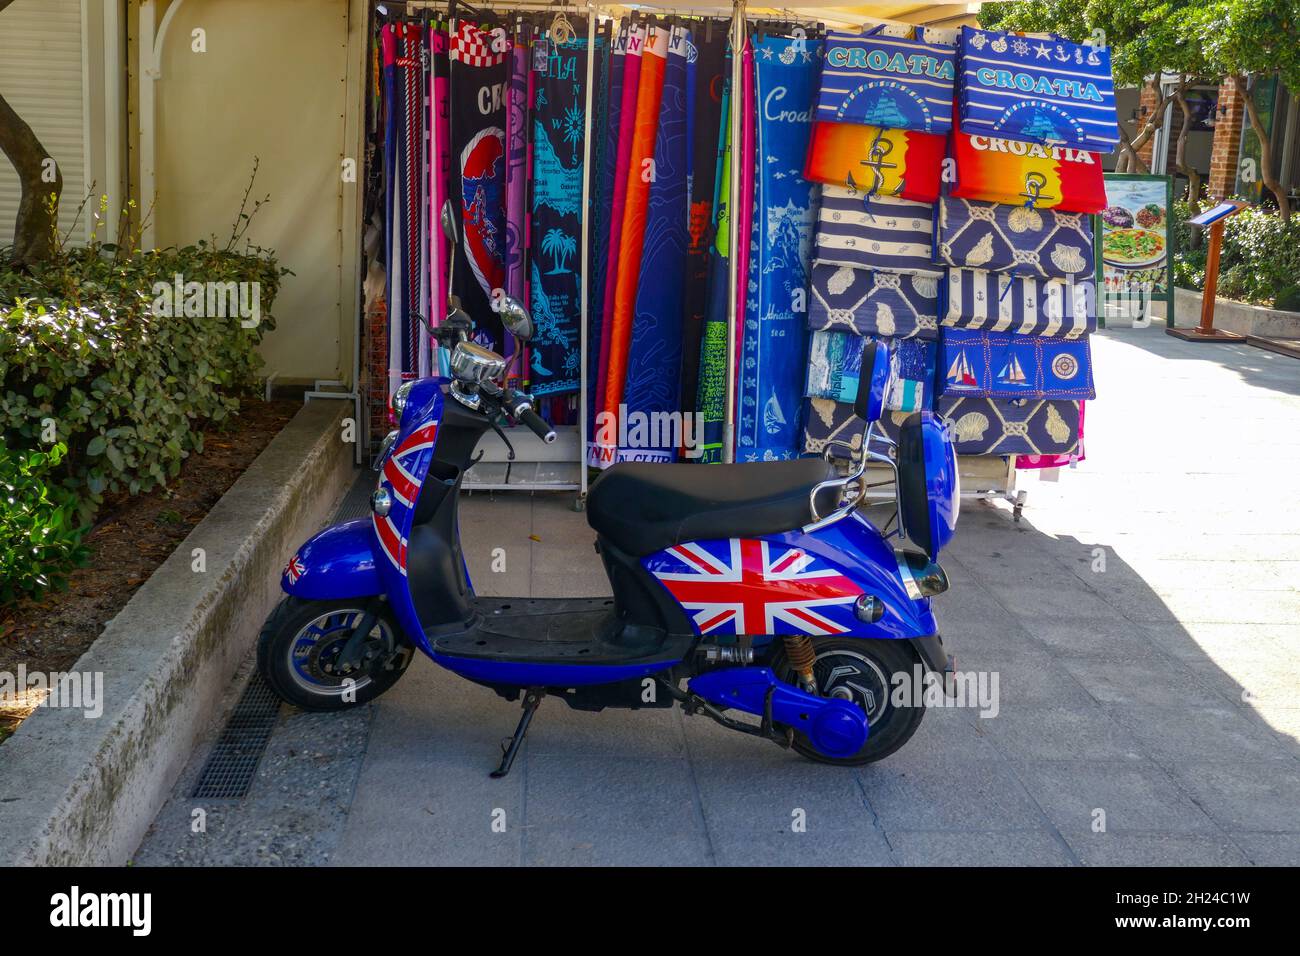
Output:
(1206, 332)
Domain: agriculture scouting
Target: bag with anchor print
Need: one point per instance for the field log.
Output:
(1037, 90)
(875, 232)
(876, 161)
(888, 81)
(1026, 174)
(998, 302)
(1022, 240)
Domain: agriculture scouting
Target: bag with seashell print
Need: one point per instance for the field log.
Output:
(1044, 243)
(979, 426)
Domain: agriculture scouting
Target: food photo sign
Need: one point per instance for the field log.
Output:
(1135, 255)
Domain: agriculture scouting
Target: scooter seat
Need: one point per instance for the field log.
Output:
(642, 507)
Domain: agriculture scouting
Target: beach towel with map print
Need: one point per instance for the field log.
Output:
(479, 79)
(774, 343)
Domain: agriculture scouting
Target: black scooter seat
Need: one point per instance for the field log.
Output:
(642, 507)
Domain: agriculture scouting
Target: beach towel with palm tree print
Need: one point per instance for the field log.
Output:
(555, 259)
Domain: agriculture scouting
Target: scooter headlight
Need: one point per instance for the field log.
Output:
(921, 576)
(400, 397)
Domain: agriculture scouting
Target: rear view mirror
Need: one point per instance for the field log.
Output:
(873, 382)
(448, 221)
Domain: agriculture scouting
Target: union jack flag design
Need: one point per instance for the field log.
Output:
(294, 569)
(403, 474)
(750, 586)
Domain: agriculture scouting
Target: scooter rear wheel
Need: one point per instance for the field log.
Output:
(301, 641)
(861, 671)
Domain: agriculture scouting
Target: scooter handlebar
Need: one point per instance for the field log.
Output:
(535, 422)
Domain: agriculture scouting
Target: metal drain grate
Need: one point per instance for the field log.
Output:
(229, 770)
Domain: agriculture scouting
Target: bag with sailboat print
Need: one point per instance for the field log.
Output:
(994, 365)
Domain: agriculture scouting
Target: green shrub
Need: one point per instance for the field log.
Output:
(40, 529)
(129, 392)
(1258, 263)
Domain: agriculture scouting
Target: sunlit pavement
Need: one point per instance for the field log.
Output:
(1141, 620)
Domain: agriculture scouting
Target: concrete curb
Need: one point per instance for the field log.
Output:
(78, 791)
(1230, 316)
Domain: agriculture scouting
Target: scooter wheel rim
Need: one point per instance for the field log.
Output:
(863, 678)
(310, 650)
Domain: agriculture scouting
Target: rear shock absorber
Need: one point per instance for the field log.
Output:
(799, 650)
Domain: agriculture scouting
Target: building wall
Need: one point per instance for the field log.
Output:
(280, 82)
(1227, 141)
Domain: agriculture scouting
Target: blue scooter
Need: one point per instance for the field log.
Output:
(758, 588)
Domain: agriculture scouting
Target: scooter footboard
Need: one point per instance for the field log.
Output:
(835, 727)
(337, 563)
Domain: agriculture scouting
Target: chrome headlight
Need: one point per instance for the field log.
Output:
(473, 364)
(400, 398)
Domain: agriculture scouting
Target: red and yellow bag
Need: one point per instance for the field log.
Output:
(1027, 174)
(876, 161)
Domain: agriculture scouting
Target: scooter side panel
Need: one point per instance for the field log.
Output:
(523, 674)
(792, 583)
(337, 563)
(402, 474)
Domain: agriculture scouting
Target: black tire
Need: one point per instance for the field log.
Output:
(891, 725)
(302, 677)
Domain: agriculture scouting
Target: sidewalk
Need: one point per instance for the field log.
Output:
(1142, 619)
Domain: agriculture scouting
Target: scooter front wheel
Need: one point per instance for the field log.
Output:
(861, 671)
(300, 646)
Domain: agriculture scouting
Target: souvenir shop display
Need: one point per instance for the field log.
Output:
(710, 219)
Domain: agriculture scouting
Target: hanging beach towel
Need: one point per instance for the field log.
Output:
(654, 355)
(1017, 239)
(876, 161)
(601, 246)
(874, 302)
(711, 403)
(1037, 90)
(997, 302)
(1027, 174)
(440, 167)
(875, 232)
(710, 41)
(774, 342)
(517, 147)
(558, 139)
(632, 236)
(995, 365)
(478, 118)
(886, 81)
(632, 44)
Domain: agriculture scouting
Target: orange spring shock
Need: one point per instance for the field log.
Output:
(799, 649)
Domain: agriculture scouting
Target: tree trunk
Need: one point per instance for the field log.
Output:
(41, 182)
(1180, 161)
(1265, 152)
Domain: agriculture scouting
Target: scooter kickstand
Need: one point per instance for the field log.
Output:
(532, 698)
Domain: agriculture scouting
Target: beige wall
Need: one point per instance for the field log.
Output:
(281, 81)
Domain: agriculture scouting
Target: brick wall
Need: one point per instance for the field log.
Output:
(1146, 106)
(1227, 140)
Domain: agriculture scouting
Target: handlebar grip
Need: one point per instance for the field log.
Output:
(539, 427)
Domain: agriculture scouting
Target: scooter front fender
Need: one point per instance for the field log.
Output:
(337, 563)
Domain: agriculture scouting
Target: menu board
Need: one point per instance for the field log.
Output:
(1135, 254)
